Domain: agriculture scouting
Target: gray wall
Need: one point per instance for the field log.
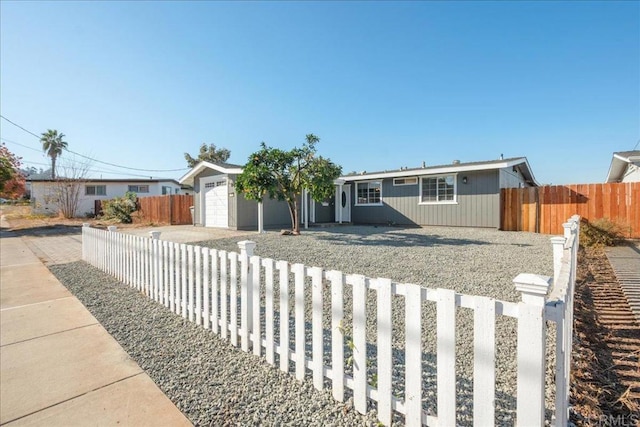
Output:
(276, 214)
(478, 204)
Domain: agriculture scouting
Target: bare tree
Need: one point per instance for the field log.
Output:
(66, 190)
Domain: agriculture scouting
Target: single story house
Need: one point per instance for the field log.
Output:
(457, 194)
(625, 167)
(45, 192)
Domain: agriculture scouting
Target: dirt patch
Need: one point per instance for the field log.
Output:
(606, 349)
(22, 223)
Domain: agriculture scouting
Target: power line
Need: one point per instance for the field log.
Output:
(636, 146)
(96, 160)
(22, 145)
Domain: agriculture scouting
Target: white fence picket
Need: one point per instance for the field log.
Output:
(268, 315)
(484, 365)
(190, 282)
(172, 277)
(337, 335)
(183, 280)
(316, 327)
(198, 273)
(224, 280)
(358, 282)
(245, 283)
(214, 291)
(206, 282)
(283, 268)
(413, 355)
(446, 360)
(298, 271)
(233, 297)
(254, 310)
(385, 361)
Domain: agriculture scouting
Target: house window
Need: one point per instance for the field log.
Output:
(95, 190)
(369, 193)
(166, 190)
(139, 188)
(405, 181)
(438, 189)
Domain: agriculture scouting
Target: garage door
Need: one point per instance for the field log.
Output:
(216, 204)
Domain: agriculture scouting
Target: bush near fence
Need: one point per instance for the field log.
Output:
(244, 298)
(168, 209)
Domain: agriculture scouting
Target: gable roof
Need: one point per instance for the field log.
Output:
(619, 164)
(226, 168)
(450, 168)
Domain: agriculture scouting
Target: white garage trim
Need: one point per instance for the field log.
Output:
(214, 201)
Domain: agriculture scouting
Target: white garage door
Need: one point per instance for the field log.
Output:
(216, 204)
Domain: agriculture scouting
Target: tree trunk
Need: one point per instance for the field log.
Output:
(296, 214)
(53, 167)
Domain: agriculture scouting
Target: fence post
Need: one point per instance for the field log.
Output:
(531, 348)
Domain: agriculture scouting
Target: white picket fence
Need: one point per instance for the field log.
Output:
(222, 291)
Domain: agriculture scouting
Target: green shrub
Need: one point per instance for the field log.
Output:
(601, 232)
(120, 208)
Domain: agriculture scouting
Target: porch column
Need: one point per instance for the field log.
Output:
(260, 217)
(305, 209)
(339, 203)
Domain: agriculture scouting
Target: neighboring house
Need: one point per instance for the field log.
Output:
(459, 194)
(44, 191)
(625, 167)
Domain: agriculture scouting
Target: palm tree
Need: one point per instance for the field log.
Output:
(52, 144)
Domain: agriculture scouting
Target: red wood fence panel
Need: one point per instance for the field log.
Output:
(542, 209)
(169, 209)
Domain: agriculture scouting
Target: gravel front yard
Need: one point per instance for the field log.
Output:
(216, 384)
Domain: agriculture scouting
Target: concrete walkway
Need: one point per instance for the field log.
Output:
(625, 261)
(59, 366)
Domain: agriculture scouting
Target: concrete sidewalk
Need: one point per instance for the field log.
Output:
(59, 366)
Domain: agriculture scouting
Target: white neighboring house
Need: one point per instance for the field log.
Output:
(43, 192)
(625, 167)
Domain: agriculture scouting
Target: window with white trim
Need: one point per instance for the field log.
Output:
(405, 181)
(438, 189)
(95, 190)
(139, 188)
(369, 193)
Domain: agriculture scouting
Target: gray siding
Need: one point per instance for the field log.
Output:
(510, 178)
(276, 214)
(478, 204)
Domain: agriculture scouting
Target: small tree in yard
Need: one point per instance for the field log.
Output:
(283, 175)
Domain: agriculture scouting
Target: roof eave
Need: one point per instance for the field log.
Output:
(439, 170)
(188, 177)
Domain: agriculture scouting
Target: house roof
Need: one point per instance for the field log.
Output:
(521, 162)
(619, 164)
(226, 168)
(119, 180)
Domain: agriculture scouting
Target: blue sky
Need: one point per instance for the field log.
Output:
(383, 84)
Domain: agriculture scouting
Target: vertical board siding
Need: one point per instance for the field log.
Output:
(224, 291)
(542, 209)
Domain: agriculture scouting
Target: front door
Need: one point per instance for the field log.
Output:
(343, 203)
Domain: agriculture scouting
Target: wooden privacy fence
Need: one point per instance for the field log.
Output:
(318, 319)
(541, 209)
(170, 209)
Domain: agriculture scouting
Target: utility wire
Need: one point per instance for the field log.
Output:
(96, 160)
